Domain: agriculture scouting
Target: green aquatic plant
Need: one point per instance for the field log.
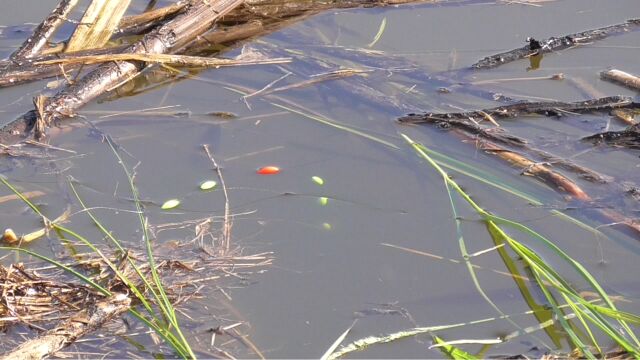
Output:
(576, 316)
(553, 285)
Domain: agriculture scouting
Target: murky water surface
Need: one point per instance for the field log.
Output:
(329, 259)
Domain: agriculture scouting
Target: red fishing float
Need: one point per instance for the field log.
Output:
(268, 170)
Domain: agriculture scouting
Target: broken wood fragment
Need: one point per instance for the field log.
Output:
(626, 79)
(82, 323)
(555, 44)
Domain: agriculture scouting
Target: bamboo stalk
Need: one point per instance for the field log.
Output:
(261, 17)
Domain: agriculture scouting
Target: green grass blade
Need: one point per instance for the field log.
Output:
(164, 303)
(452, 352)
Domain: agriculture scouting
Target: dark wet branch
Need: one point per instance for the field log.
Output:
(42, 34)
(547, 108)
(555, 44)
(469, 123)
(627, 138)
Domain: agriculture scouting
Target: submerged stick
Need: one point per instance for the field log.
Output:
(67, 332)
(547, 108)
(555, 43)
(626, 79)
(42, 34)
(538, 170)
(170, 37)
(554, 179)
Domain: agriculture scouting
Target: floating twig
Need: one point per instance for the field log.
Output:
(547, 108)
(555, 44)
(226, 227)
(627, 138)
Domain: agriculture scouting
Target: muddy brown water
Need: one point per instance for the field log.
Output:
(328, 259)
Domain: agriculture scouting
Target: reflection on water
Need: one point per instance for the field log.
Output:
(330, 265)
(534, 61)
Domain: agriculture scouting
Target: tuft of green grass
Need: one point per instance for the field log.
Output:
(607, 318)
(159, 313)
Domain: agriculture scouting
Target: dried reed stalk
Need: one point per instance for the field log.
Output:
(162, 59)
(99, 22)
